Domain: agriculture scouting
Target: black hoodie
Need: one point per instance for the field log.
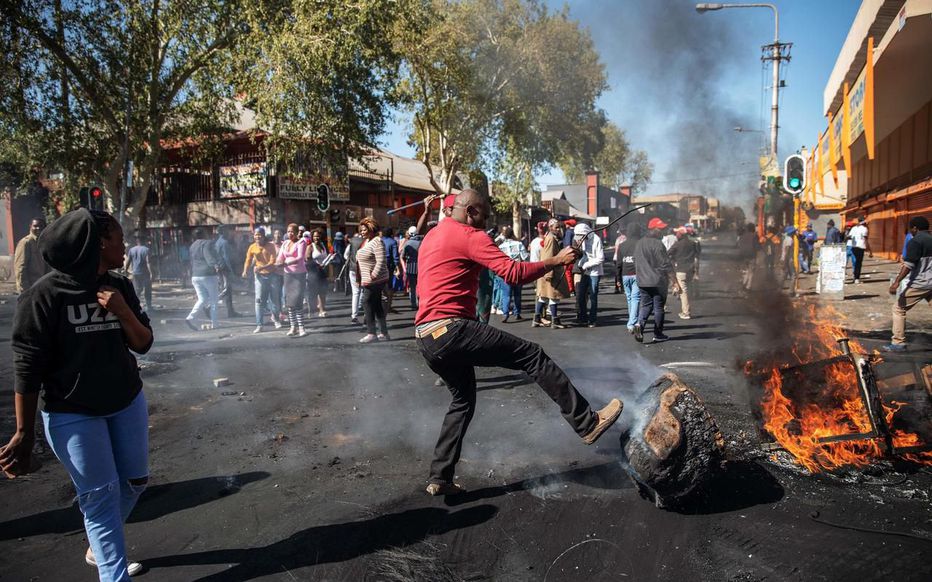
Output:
(64, 343)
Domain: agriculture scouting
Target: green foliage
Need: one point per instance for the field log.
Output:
(482, 76)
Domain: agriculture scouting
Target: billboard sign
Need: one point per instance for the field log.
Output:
(243, 180)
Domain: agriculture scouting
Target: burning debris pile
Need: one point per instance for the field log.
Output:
(822, 400)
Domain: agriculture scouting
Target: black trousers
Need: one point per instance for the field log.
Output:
(142, 284)
(226, 291)
(374, 311)
(652, 300)
(454, 355)
(858, 262)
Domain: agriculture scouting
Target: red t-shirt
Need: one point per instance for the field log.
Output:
(449, 262)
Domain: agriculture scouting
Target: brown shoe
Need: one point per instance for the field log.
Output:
(445, 489)
(607, 417)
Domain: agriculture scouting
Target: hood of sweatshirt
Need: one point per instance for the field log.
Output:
(71, 245)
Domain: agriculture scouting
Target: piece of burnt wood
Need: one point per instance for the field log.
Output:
(675, 449)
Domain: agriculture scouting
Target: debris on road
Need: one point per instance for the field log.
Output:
(218, 382)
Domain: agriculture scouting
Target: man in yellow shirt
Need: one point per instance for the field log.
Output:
(261, 257)
(28, 264)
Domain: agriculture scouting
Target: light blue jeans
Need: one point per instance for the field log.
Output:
(208, 293)
(633, 295)
(509, 299)
(268, 296)
(107, 459)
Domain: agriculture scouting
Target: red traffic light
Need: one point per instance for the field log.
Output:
(96, 192)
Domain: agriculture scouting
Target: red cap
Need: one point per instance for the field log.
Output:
(570, 222)
(656, 224)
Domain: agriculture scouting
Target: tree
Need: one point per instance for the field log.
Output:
(614, 159)
(484, 75)
(514, 186)
(100, 82)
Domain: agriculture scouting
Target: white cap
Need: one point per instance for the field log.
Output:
(412, 230)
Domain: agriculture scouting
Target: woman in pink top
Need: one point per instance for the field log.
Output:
(292, 255)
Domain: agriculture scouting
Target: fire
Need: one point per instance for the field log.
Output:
(823, 401)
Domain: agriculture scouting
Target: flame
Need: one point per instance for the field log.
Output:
(799, 425)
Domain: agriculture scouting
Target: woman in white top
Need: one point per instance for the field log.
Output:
(318, 260)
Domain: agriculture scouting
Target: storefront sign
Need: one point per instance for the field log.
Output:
(243, 180)
(856, 109)
(305, 188)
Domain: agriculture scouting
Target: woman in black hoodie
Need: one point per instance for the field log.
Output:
(72, 336)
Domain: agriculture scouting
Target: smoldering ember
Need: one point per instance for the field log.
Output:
(449, 290)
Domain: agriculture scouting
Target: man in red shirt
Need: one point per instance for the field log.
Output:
(453, 342)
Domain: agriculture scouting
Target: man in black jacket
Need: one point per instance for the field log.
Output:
(654, 271)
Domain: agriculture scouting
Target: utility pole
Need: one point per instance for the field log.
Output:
(776, 52)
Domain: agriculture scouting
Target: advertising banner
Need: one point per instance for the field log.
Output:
(305, 188)
(243, 180)
(831, 280)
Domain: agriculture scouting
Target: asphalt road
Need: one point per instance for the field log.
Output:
(311, 465)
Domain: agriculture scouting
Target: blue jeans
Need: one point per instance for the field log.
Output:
(633, 294)
(107, 459)
(208, 293)
(268, 291)
(497, 283)
(654, 298)
(587, 289)
(510, 299)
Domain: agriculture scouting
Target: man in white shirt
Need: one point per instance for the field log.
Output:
(859, 243)
(590, 268)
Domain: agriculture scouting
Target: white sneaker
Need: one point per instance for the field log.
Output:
(292, 332)
(132, 568)
(368, 338)
(301, 332)
(277, 324)
(322, 314)
(258, 329)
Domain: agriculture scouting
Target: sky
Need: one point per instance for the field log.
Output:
(680, 82)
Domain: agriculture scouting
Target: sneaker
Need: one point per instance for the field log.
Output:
(683, 316)
(277, 324)
(292, 332)
(367, 339)
(537, 321)
(591, 325)
(607, 417)
(132, 568)
(301, 332)
(555, 324)
(322, 314)
(189, 321)
(258, 329)
(383, 337)
(519, 318)
(857, 281)
(660, 338)
(505, 319)
(630, 328)
(638, 333)
(445, 489)
(894, 348)
(354, 320)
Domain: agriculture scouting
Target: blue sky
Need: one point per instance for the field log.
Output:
(680, 81)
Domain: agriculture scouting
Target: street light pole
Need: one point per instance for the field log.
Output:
(775, 52)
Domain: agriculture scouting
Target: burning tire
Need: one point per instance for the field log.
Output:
(676, 448)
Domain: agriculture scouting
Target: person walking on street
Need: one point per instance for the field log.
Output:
(409, 261)
(392, 264)
(319, 258)
(453, 343)
(293, 257)
(372, 271)
(748, 246)
(807, 241)
(349, 255)
(685, 257)
(205, 268)
(553, 286)
(916, 270)
(137, 265)
(260, 257)
(786, 258)
(224, 250)
(511, 294)
(619, 240)
(654, 271)
(860, 243)
(833, 235)
(73, 337)
(591, 271)
(628, 273)
(771, 249)
(28, 264)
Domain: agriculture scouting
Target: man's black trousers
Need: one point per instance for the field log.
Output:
(652, 300)
(453, 356)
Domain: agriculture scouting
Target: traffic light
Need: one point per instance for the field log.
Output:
(323, 197)
(794, 174)
(91, 197)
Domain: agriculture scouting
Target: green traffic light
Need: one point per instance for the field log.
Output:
(795, 183)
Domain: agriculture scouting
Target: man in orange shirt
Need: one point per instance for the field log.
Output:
(261, 257)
